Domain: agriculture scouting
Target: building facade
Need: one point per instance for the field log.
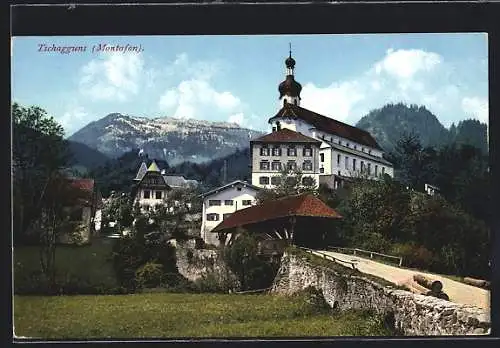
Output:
(220, 203)
(345, 151)
(284, 149)
(151, 188)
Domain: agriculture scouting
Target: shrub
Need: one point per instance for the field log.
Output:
(199, 243)
(415, 256)
(149, 275)
(189, 255)
(312, 302)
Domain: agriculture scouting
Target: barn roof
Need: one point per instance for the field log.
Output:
(326, 124)
(300, 205)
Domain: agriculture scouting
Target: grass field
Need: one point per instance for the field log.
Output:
(164, 315)
(87, 262)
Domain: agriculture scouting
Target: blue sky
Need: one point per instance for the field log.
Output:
(235, 78)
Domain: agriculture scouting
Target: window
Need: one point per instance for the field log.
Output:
(264, 180)
(213, 202)
(225, 216)
(146, 207)
(246, 202)
(292, 151)
(339, 172)
(355, 147)
(307, 165)
(347, 144)
(275, 180)
(264, 151)
(353, 164)
(158, 194)
(369, 168)
(307, 152)
(376, 169)
(321, 170)
(363, 149)
(276, 151)
(322, 157)
(147, 194)
(264, 165)
(338, 159)
(308, 181)
(228, 202)
(362, 165)
(346, 162)
(276, 165)
(383, 170)
(212, 217)
(369, 152)
(291, 165)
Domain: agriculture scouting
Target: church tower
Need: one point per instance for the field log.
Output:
(290, 89)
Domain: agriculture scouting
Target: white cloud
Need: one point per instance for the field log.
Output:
(195, 96)
(476, 107)
(410, 76)
(404, 64)
(335, 100)
(73, 118)
(238, 118)
(112, 77)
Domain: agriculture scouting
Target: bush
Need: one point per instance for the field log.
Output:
(199, 243)
(312, 302)
(149, 275)
(414, 256)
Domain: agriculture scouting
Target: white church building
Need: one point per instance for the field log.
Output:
(345, 151)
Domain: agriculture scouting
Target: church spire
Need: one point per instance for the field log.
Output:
(290, 89)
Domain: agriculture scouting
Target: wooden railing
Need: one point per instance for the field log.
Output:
(328, 257)
(354, 251)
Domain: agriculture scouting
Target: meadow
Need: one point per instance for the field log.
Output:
(168, 315)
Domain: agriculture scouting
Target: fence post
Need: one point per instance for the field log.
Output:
(354, 251)
(400, 261)
(371, 255)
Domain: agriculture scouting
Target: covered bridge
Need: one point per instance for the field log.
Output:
(301, 220)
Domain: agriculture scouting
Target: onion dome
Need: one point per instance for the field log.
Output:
(290, 62)
(289, 87)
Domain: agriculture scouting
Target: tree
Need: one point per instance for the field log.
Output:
(39, 152)
(414, 164)
(57, 198)
(291, 182)
(253, 271)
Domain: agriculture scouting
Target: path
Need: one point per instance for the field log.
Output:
(457, 291)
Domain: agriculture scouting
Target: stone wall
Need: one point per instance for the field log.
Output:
(196, 263)
(412, 315)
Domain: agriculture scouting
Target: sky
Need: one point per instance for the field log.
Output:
(235, 78)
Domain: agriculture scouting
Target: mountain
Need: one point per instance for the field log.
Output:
(471, 132)
(391, 121)
(170, 139)
(85, 156)
(118, 173)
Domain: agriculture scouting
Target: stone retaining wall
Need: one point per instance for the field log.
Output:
(412, 315)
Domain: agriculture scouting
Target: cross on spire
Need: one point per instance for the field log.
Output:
(290, 46)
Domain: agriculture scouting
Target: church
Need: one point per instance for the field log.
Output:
(332, 151)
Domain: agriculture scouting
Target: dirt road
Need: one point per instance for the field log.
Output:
(457, 291)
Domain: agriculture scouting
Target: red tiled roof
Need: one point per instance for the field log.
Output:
(327, 124)
(303, 205)
(286, 136)
(83, 184)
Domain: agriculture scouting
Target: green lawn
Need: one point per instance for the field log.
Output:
(88, 262)
(182, 315)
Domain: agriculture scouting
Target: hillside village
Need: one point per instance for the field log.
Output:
(318, 188)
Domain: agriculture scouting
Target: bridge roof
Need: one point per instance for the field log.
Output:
(305, 205)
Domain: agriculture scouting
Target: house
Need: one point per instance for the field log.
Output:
(281, 222)
(178, 181)
(151, 187)
(345, 151)
(431, 190)
(284, 149)
(220, 203)
(85, 216)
